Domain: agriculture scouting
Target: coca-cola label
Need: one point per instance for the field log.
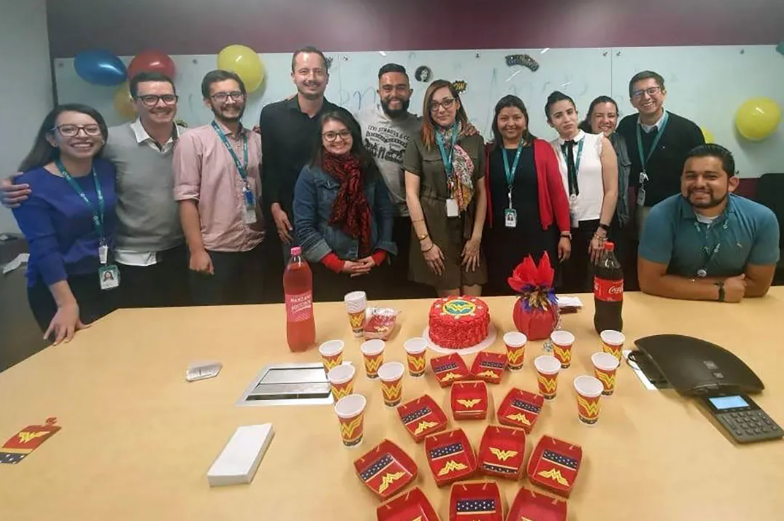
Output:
(299, 307)
(608, 290)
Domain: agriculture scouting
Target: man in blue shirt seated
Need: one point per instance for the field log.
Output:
(706, 243)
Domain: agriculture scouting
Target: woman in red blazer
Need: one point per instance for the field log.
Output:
(527, 208)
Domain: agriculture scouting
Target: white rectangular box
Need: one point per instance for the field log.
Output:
(241, 456)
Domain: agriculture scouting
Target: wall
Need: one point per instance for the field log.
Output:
(25, 84)
(205, 26)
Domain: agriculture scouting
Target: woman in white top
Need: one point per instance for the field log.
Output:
(589, 168)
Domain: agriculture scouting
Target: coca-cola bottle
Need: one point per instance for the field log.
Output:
(298, 290)
(608, 291)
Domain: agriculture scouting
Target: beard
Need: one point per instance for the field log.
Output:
(712, 202)
(219, 114)
(394, 113)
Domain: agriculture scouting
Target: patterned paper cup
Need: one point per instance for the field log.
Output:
(416, 355)
(341, 378)
(604, 367)
(589, 390)
(547, 368)
(373, 354)
(612, 342)
(515, 349)
(391, 376)
(356, 304)
(351, 415)
(562, 347)
(331, 354)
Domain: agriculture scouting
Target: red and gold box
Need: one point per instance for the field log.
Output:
(502, 452)
(449, 369)
(554, 465)
(489, 367)
(450, 457)
(386, 469)
(531, 506)
(520, 409)
(406, 507)
(422, 417)
(469, 400)
(480, 501)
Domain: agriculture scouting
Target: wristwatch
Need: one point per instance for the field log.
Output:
(604, 227)
(566, 235)
(721, 291)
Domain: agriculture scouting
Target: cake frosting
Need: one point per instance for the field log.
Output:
(459, 322)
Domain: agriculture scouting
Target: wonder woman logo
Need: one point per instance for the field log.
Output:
(388, 480)
(564, 355)
(347, 429)
(549, 384)
(340, 393)
(27, 437)
(520, 417)
(469, 404)
(449, 377)
(392, 391)
(591, 409)
(488, 373)
(607, 379)
(372, 364)
(515, 357)
(451, 466)
(503, 455)
(417, 362)
(459, 308)
(555, 475)
(423, 426)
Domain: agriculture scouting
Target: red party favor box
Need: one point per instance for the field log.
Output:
(386, 469)
(480, 501)
(450, 456)
(422, 417)
(469, 400)
(449, 369)
(554, 465)
(407, 507)
(530, 506)
(520, 409)
(489, 367)
(502, 452)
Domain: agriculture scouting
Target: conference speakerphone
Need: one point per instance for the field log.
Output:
(742, 419)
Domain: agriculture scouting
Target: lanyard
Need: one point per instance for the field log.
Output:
(447, 159)
(510, 173)
(242, 168)
(643, 159)
(571, 175)
(98, 215)
(709, 253)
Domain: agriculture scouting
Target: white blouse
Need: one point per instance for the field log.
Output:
(588, 206)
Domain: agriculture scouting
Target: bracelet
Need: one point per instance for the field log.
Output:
(566, 235)
(430, 248)
(604, 227)
(423, 237)
(600, 238)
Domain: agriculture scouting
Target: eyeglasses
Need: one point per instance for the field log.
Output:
(73, 130)
(150, 100)
(223, 96)
(446, 103)
(332, 136)
(650, 91)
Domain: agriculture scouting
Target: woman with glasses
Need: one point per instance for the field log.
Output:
(445, 194)
(589, 170)
(342, 212)
(527, 209)
(69, 222)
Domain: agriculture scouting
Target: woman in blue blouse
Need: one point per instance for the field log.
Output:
(69, 222)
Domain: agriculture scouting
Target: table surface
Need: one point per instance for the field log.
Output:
(137, 439)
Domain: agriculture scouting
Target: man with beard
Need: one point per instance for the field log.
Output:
(218, 186)
(706, 243)
(150, 250)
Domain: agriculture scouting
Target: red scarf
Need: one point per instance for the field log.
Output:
(350, 211)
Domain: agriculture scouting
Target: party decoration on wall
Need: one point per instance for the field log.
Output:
(423, 74)
(329, 63)
(758, 118)
(152, 61)
(245, 62)
(708, 135)
(524, 60)
(123, 103)
(460, 86)
(100, 68)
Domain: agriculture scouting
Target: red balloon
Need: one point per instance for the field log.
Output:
(151, 61)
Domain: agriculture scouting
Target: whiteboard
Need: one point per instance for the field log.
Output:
(705, 84)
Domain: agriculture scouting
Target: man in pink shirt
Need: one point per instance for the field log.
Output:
(218, 187)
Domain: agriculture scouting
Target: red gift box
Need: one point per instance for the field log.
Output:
(469, 400)
(489, 367)
(422, 417)
(502, 452)
(450, 456)
(449, 369)
(386, 469)
(21, 444)
(530, 506)
(554, 465)
(475, 502)
(520, 409)
(406, 507)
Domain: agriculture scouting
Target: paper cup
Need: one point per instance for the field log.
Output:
(356, 304)
(604, 367)
(341, 378)
(547, 368)
(416, 355)
(612, 342)
(331, 354)
(515, 349)
(373, 355)
(391, 376)
(351, 415)
(589, 390)
(562, 347)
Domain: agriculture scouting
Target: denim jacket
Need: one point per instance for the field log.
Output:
(313, 197)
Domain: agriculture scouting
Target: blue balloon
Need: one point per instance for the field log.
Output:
(100, 68)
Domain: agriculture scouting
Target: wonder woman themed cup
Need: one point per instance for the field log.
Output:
(331, 354)
(341, 378)
(589, 390)
(547, 368)
(416, 355)
(391, 376)
(356, 305)
(515, 349)
(612, 342)
(562, 347)
(351, 415)
(604, 367)
(373, 354)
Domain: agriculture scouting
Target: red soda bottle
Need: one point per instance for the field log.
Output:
(608, 291)
(298, 290)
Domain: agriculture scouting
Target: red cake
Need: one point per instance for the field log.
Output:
(459, 322)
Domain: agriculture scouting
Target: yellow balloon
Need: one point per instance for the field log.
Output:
(708, 135)
(123, 103)
(758, 118)
(245, 62)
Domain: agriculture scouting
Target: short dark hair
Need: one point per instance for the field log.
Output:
(510, 100)
(392, 67)
(554, 98)
(585, 126)
(144, 77)
(645, 75)
(310, 50)
(717, 151)
(216, 76)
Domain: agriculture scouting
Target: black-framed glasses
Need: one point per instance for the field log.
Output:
(150, 100)
(331, 136)
(650, 91)
(224, 96)
(446, 103)
(73, 130)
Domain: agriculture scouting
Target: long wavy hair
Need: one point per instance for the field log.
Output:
(428, 125)
(358, 150)
(506, 102)
(585, 126)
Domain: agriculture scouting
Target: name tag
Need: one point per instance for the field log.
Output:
(641, 196)
(109, 277)
(249, 215)
(510, 218)
(451, 208)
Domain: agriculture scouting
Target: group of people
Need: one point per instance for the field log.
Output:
(149, 214)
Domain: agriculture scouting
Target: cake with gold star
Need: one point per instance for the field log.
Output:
(459, 322)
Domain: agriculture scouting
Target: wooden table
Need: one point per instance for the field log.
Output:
(137, 440)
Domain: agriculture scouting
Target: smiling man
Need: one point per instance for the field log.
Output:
(706, 243)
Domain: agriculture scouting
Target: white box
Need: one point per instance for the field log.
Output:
(241, 456)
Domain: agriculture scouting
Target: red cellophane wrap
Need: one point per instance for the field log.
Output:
(536, 311)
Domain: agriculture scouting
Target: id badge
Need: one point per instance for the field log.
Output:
(250, 199)
(641, 196)
(249, 216)
(103, 254)
(451, 208)
(510, 218)
(109, 277)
